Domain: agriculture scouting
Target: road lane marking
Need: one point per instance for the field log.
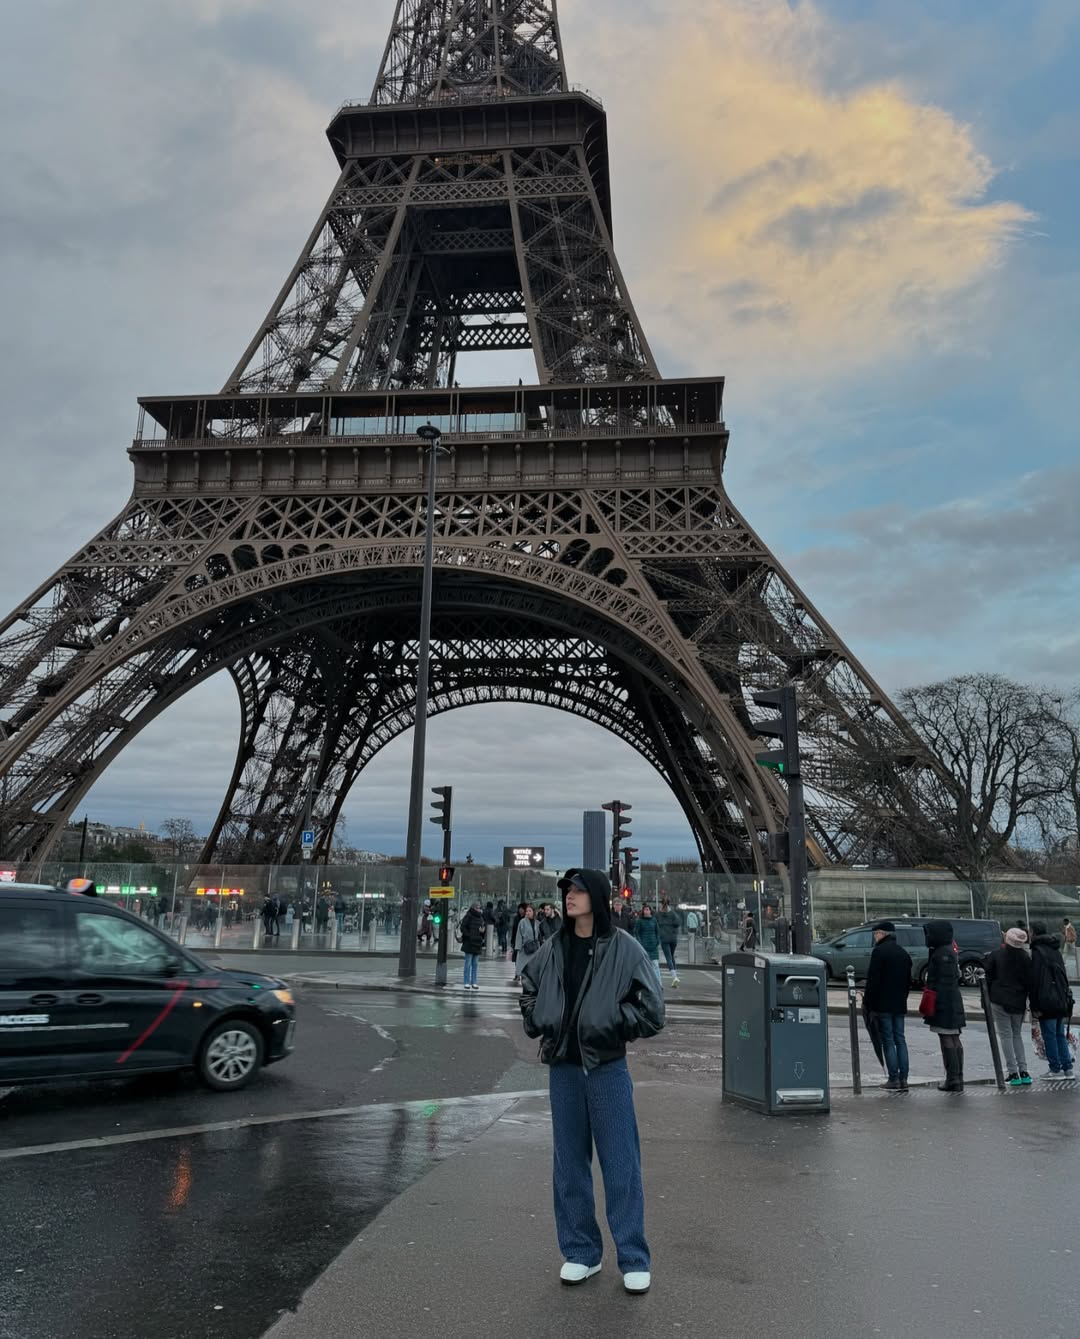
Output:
(246, 1122)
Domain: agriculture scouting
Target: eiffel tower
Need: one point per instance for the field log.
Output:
(587, 557)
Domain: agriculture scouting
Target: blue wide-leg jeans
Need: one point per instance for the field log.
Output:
(588, 1109)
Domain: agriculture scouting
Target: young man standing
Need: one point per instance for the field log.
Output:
(589, 991)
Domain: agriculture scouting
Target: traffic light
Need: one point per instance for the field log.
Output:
(436, 918)
(627, 893)
(779, 848)
(784, 727)
(446, 875)
(629, 862)
(442, 806)
(621, 831)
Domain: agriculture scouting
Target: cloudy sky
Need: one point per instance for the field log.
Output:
(866, 213)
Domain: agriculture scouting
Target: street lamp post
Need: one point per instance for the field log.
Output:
(306, 853)
(410, 902)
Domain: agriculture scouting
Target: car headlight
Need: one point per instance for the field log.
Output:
(285, 996)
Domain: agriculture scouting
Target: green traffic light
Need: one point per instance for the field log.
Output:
(436, 920)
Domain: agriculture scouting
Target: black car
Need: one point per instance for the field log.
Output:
(89, 991)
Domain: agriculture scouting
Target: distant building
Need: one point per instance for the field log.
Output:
(594, 840)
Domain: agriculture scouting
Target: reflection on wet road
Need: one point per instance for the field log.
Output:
(211, 1235)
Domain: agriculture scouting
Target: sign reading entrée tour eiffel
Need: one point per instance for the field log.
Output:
(587, 556)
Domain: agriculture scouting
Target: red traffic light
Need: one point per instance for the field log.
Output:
(628, 893)
(446, 875)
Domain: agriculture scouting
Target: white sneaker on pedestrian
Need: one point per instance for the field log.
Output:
(1052, 1074)
(637, 1283)
(475, 987)
(571, 1274)
(674, 980)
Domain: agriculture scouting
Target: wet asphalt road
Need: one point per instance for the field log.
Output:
(155, 1221)
(155, 1207)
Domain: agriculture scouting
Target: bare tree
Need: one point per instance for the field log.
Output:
(1000, 747)
(1061, 825)
(181, 833)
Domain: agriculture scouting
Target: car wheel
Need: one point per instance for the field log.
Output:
(969, 973)
(231, 1054)
(924, 972)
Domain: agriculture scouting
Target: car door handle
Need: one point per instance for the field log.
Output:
(44, 1001)
(89, 998)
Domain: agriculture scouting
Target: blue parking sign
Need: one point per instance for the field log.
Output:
(307, 838)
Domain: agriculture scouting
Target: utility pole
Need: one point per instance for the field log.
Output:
(619, 833)
(410, 902)
(788, 848)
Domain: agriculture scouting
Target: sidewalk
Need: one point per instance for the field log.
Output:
(861, 1223)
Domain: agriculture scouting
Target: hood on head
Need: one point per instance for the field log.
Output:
(598, 887)
(1046, 941)
(938, 933)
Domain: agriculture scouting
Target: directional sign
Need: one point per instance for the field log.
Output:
(442, 892)
(523, 857)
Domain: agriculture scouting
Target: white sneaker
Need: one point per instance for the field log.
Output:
(674, 980)
(572, 1274)
(476, 987)
(637, 1283)
(1050, 1074)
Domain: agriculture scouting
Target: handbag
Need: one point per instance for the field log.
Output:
(928, 1003)
(529, 946)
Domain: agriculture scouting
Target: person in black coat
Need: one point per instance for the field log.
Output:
(888, 980)
(473, 933)
(1052, 1000)
(943, 1007)
(1008, 977)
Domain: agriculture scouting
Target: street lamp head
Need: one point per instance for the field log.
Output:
(429, 433)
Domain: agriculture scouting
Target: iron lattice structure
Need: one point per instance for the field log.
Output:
(587, 555)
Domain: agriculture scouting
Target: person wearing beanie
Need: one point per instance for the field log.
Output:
(888, 980)
(1051, 1001)
(589, 991)
(943, 1005)
(1008, 977)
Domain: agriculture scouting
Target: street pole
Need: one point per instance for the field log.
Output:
(801, 933)
(444, 927)
(410, 902)
(305, 853)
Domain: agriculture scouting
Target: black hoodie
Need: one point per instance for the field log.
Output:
(943, 977)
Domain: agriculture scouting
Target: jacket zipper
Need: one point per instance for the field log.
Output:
(584, 988)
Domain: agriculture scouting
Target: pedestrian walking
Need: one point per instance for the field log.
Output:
(1008, 979)
(888, 980)
(275, 916)
(588, 992)
(339, 914)
(290, 916)
(942, 1004)
(513, 937)
(1068, 943)
(749, 936)
(268, 917)
(1052, 1001)
(647, 933)
(667, 922)
(502, 925)
(473, 933)
(526, 941)
(424, 930)
(549, 922)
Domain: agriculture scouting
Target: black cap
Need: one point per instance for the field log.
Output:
(887, 926)
(568, 878)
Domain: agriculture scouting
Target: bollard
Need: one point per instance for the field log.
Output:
(489, 945)
(219, 924)
(853, 1028)
(257, 932)
(691, 948)
(373, 930)
(296, 934)
(991, 1031)
(181, 937)
(333, 935)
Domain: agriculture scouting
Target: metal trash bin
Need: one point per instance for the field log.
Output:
(776, 1033)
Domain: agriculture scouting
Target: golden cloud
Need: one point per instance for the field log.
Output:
(783, 217)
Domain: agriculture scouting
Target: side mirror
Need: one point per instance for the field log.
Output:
(172, 967)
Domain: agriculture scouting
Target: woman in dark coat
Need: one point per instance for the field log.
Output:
(947, 1019)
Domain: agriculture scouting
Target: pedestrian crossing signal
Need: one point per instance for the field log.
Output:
(446, 875)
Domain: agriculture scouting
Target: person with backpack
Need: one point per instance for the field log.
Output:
(526, 941)
(1009, 979)
(472, 931)
(647, 933)
(1051, 1001)
(588, 992)
(942, 1004)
